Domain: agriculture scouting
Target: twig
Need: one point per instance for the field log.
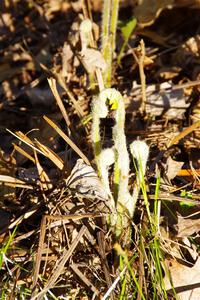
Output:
(39, 254)
(113, 286)
(60, 264)
(89, 284)
(185, 132)
(142, 76)
(102, 253)
(52, 84)
(23, 152)
(67, 139)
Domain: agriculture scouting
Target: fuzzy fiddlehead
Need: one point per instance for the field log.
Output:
(121, 175)
(125, 202)
(99, 110)
(140, 154)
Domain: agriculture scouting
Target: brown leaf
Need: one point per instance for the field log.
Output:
(186, 280)
(187, 226)
(172, 168)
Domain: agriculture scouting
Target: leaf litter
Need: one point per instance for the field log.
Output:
(48, 176)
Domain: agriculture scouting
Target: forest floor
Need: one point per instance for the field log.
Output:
(55, 242)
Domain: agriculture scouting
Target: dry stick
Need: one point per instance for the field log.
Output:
(185, 132)
(14, 182)
(44, 178)
(185, 85)
(114, 284)
(89, 9)
(39, 254)
(170, 197)
(187, 172)
(142, 76)
(50, 154)
(141, 274)
(23, 152)
(44, 150)
(140, 62)
(61, 264)
(84, 278)
(22, 137)
(102, 253)
(86, 6)
(52, 84)
(67, 139)
(76, 216)
(62, 220)
(77, 107)
(62, 83)
(99, 79)
(29, 213)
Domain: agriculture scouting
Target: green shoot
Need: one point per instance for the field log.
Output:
(5, 247)
(128, 263)
(186, 194)
(126, 30)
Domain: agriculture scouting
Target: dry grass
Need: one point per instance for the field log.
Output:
(55, 239)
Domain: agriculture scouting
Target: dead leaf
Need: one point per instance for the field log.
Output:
(187, 226)
(166, 101)
(173, 167)
(67, 56)
(148, 11)
(92, 59)
(84, 181)
(186, 280)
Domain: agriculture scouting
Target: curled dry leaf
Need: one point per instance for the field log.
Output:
(173, 167)
(92, 59)
(84, 181)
